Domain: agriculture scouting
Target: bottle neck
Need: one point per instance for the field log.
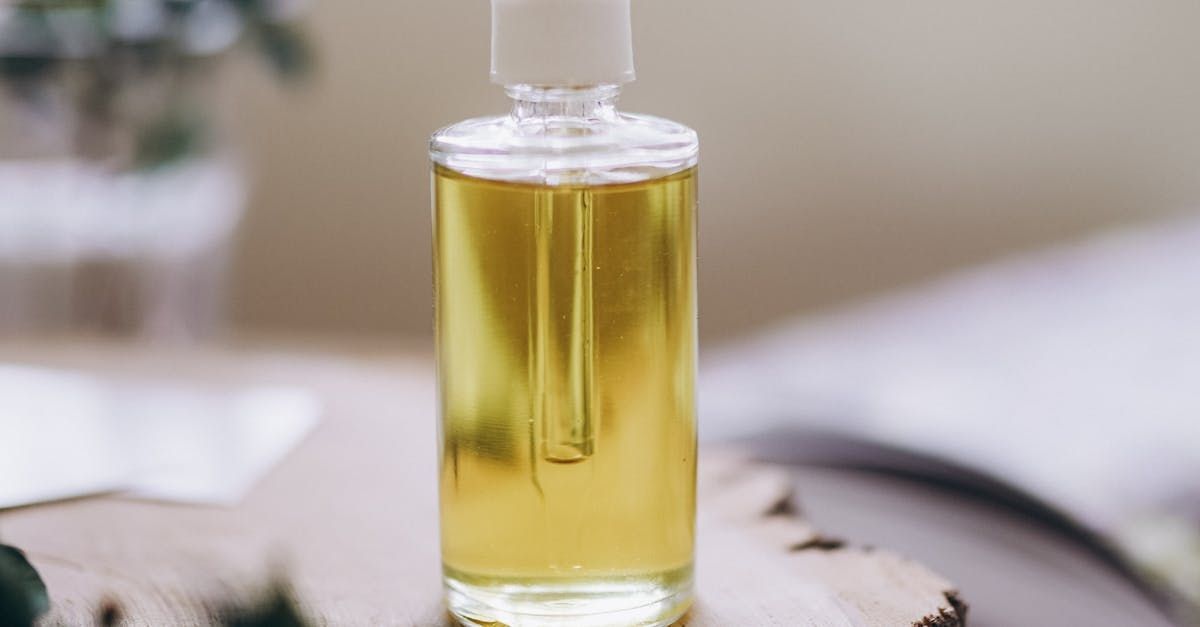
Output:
(536, 102)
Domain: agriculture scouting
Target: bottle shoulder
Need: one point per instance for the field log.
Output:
(616, 148)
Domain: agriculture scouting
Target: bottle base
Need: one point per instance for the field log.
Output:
(651, 601)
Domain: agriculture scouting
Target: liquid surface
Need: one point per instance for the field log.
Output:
(566, 329)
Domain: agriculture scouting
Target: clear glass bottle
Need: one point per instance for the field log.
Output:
(565, 278)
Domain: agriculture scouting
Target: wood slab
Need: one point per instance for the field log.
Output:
(350, 517)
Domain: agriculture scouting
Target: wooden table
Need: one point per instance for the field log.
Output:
(350, 516)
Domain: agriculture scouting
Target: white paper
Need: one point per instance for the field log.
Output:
(65, 434)
(206, 447)
(56, 437)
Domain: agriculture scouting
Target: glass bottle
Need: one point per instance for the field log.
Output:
(565, 281)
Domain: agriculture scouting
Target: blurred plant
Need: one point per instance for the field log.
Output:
(128, 69)
(276, 607)
(23, 600)
(23, 595)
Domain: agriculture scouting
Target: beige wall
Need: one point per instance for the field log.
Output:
(849, 146)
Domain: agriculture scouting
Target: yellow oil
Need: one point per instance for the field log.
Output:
(566, 336)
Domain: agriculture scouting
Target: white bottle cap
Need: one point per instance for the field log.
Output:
(561, 43)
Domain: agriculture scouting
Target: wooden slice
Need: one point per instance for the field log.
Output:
(350, 517)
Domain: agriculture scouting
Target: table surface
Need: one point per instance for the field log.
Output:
(350, 517)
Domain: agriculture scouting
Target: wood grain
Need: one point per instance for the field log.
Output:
(350, 517)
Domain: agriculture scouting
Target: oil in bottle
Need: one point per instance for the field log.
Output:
(565, 293)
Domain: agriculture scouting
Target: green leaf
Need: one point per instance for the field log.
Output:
(168, 139)
(30, 50)
(18, 68)
(23, 596)
(286, 49)
(180, 7)
(253, 9)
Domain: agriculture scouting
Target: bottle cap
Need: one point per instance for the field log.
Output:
(561, 43)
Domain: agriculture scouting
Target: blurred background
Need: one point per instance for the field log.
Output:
(957, 228)
(849, 148)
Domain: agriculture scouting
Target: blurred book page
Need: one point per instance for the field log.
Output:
(1073, 373)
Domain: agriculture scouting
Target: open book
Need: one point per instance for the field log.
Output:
(1073, 374)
